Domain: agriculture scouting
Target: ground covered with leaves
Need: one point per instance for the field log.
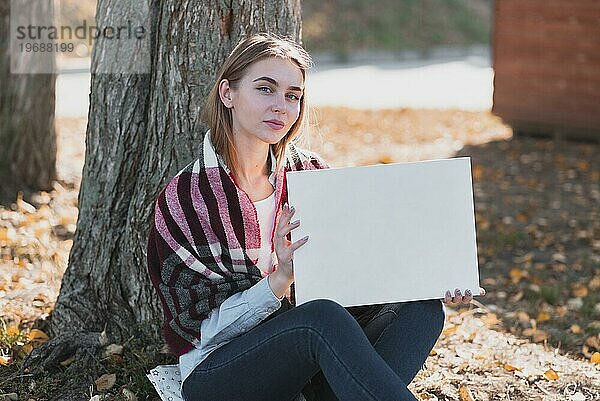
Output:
(535, 336)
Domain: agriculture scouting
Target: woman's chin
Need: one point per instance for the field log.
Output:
(273, 137)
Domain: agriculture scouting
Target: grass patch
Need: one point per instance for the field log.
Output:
(140, 354)
(550, 293)
(393, 25)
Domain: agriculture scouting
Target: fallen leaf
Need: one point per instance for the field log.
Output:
(464, 393)
(582, 165)
(116, 359)
(386, 159)
(543, 317)
(595, 357)
(427, 396)
(106, 381)
(490, 319)
(575, 303)
(593, 341)
(559, 257)
(103, 338)
(27, 348)
(477, 172)
(528, 257)
(522, 217)
(522, 316)
(37, 336)
(449, 331)
(511, 368)
(539, 336)
(113, 349)
(165, 349)
(575, 329)
(580, 290)
(517, 297)
(129, 395)
(8, 234)
(561, 310)
(68, 361)
(23, 206)
(463, 367)
(517, 274)
(550, 374)
(12, 331)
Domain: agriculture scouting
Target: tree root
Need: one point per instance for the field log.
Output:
(48, 356)
(71, 356)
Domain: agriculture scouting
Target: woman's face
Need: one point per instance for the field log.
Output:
(266, 102)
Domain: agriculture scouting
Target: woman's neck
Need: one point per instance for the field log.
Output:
(252, 161)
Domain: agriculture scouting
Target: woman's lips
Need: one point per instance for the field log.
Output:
(276, 125)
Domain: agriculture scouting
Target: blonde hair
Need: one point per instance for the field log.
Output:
(250, 50)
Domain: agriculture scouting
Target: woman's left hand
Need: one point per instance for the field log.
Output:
(458, 298)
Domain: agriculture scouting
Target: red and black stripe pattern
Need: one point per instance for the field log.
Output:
(204, 242)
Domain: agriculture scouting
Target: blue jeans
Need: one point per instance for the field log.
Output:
(320, 349)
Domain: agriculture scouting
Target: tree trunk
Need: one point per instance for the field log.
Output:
(27, 136)
(142, 129)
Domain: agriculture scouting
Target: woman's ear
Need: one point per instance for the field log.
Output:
(225, 93)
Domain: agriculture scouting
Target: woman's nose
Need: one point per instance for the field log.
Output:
(279, 104)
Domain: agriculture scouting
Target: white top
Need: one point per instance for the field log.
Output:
(243, 310)
(265, 209)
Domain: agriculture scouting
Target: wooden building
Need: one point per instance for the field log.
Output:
(546, 57)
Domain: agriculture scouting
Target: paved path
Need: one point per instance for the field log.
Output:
(465, 83)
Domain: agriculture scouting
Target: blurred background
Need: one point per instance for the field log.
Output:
(514, 85)
(414, 45)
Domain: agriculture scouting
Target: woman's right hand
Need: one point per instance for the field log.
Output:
(284, 249)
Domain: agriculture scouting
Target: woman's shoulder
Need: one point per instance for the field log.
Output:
(299, 158)
(179, 185)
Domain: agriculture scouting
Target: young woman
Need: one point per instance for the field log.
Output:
(220, 258)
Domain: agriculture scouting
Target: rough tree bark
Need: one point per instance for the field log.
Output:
(27, 136)
(142, 129)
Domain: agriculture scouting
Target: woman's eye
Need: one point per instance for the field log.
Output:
(293, 97)
(265, 89)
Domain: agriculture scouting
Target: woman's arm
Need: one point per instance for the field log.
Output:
(280, 283)
(238, 314)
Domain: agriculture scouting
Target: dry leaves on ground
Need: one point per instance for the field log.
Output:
(537, 223)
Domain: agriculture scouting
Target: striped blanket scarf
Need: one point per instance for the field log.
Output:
(204, 240)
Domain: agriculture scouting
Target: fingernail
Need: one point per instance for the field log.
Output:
(305, 238)
(468, 292)
(448, 293)
(292, 209)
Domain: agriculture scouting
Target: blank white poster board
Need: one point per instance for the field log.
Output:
(384, 233)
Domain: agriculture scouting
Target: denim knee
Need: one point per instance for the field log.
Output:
(328, 311)
(436, 314)
(324, 305)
